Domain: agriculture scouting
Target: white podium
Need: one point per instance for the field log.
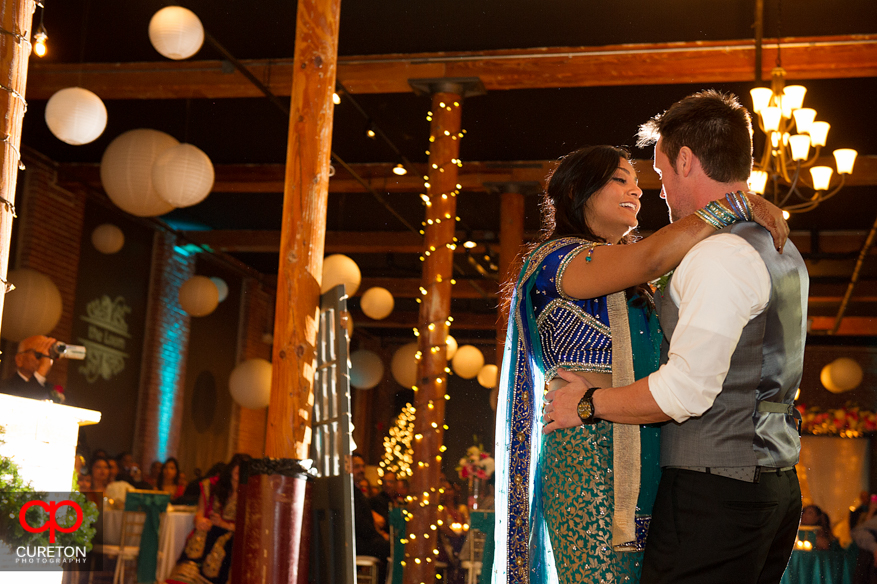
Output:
(41, 438)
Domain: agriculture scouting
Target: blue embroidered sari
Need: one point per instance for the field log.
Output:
(555, 494)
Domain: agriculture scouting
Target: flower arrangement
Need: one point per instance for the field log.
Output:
(477, 463)
(847, 422)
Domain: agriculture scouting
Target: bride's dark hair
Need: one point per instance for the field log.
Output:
(569, 189)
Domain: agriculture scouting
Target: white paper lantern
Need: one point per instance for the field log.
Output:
(366, 369)
(183, 175)
(468, 361)
(76, 115)
(221, 286)
(33, 308)
(487, 376)
(176, 32)
(107, 238)
(126, 171)
(199, 296)
(404, 365)
(377, 303)
(841, 375)
(340, 269)
(250, 384)
(451, 342)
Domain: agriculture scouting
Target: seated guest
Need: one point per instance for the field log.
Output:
(169, 480)
(369, 541)
(32, 364)
(382, 502)
(813, 515)
(84, 483)
(100, 472)
(154, 473)
(193, 489)
(114, 469)
(207, 555)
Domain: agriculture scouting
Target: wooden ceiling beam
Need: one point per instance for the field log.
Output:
(268, 178)
(825, 57)
(850, 326)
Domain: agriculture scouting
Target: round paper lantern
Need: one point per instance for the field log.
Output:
(487, 376)
(33, 308)
(199, 296)
(377, 303)
(126, 171)
(250, 383)
(468, 361)
(182, 175)
(841, 375)
(366, 369)
(176, 32)
(76, 115)
(340, 269)
(451, 342)
(221, 287)
(107, 238)
(404, 365)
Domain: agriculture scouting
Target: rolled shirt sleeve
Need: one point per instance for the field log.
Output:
(719, 286)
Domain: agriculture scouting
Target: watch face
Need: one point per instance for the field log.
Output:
(586, 409)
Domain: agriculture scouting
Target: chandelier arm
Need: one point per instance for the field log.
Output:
(812, 160)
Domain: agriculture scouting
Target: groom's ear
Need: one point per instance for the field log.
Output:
(685, 161)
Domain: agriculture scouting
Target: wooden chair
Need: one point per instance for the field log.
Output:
(367, 570)
(472, 565)
(129, 540)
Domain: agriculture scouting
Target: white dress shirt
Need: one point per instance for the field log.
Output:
(719, 286)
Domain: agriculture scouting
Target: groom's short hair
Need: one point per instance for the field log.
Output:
(713, 125)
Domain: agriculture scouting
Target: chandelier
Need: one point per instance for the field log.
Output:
(790, 132)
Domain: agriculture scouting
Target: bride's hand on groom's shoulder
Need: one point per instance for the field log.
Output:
(560, 409)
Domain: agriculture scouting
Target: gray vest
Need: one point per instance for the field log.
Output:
(766, 367)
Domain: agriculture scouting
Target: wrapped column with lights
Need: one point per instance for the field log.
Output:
(434, 320)
(15, 47)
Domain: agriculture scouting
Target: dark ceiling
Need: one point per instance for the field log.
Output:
(512, 125)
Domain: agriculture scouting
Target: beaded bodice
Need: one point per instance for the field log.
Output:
(574, 333)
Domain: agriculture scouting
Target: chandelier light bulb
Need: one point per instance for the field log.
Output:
(821, 177)
(793, 96)
(771, 118)
(804, 119)
(758, 181)
(800, 144)
(845, 159)
(760, 98)
(819, 133)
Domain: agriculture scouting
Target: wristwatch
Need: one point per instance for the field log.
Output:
(586, 407)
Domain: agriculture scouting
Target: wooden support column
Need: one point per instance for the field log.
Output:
(433, 322)
(305, 196)
(16, 19)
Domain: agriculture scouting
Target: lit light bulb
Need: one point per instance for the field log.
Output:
(786, 216)
(845, 159)
(760, 98)
(800, 144)
(771, 117)
(819, 133)
(400, 170)
(40, 39)
(758, 181)
(821, 177)
(469, 244)
(793, 97)
(804, 119)
(336, 99)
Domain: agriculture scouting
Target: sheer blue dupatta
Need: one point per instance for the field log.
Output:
(522, 548)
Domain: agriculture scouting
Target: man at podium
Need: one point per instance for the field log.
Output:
(33, 365)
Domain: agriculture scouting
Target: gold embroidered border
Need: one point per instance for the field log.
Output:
(625, 437)
(589, 319)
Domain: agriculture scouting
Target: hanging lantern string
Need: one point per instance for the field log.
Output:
(8, 140)
(15, 94)
(18, 38)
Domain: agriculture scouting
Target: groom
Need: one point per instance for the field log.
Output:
(734, 313)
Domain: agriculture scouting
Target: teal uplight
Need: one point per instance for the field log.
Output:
(172, 342)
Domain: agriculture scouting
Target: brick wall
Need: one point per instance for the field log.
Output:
(165, 347)
(49, 232)
(257, 304)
